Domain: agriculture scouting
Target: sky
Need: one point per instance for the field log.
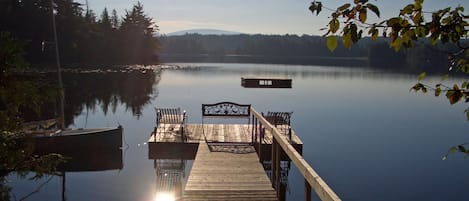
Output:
(249, 16)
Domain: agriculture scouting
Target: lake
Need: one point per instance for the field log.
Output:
(363, 131)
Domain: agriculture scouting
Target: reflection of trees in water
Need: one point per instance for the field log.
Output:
(108, 90)
(294, 71)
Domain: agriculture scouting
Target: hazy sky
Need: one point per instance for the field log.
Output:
(249, 16)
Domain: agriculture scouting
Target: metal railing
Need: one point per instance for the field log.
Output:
(281, 143)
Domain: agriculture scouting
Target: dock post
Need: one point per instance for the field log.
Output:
(261, 138)
(253, 138)
(307, 191)
(278, 169)
(273, 164)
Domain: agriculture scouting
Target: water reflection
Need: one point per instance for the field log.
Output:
(105, 90)
(291, 71)
(169, 179)
(285, 166)
(85, 153)
(171, 175)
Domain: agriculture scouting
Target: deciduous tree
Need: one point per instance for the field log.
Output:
(350, 22)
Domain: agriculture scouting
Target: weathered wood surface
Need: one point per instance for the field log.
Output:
(321, 188)
(215, 133)
(228, 172)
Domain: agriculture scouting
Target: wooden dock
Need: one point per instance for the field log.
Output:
(231, 159)
(169, 144)
(242, 175)
(228, 172)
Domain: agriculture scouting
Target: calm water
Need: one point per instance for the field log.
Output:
(363, 131)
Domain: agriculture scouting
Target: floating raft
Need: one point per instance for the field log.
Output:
(266, 82)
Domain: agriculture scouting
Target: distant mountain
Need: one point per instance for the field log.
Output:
(203, 32)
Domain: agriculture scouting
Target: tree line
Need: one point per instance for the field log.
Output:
(83, 37)
(305, 49)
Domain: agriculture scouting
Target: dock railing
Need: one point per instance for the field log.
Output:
(281, 143)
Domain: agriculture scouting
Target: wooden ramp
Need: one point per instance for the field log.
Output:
(228, 172)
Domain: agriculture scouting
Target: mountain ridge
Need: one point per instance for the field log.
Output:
(203, 32)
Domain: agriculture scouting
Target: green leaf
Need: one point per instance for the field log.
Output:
(417, 87)
(422, 76)
(363, 15)
(408, 9)
(347, 40)
(424, 90)
(446, 20)
(462, 148)
(319, 7)
(417, 18)
(374, 34)
(316, 7)
(373, 8)
(393, 21)
(396, 44)
(453, 149)
(464, 84)
(353, 31)
(343, 7)
(331, 43)
(463, 67)
(437, 91)
(467, 114)
(420, 31)
(454, 96)
(334, 25)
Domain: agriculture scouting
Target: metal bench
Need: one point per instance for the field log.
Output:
(280, 120)
(170, 120)
(225, 110)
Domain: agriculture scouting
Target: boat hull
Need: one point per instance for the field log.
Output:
(86, 149)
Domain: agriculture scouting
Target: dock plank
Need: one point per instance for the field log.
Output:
(241, 177)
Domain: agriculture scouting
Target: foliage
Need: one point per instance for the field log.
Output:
(83, 38)
(137, 31)
(16, 94)
(446, 25)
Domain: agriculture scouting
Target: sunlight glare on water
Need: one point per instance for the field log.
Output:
(164, 196)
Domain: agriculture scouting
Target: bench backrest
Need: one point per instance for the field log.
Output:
(226, 109)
